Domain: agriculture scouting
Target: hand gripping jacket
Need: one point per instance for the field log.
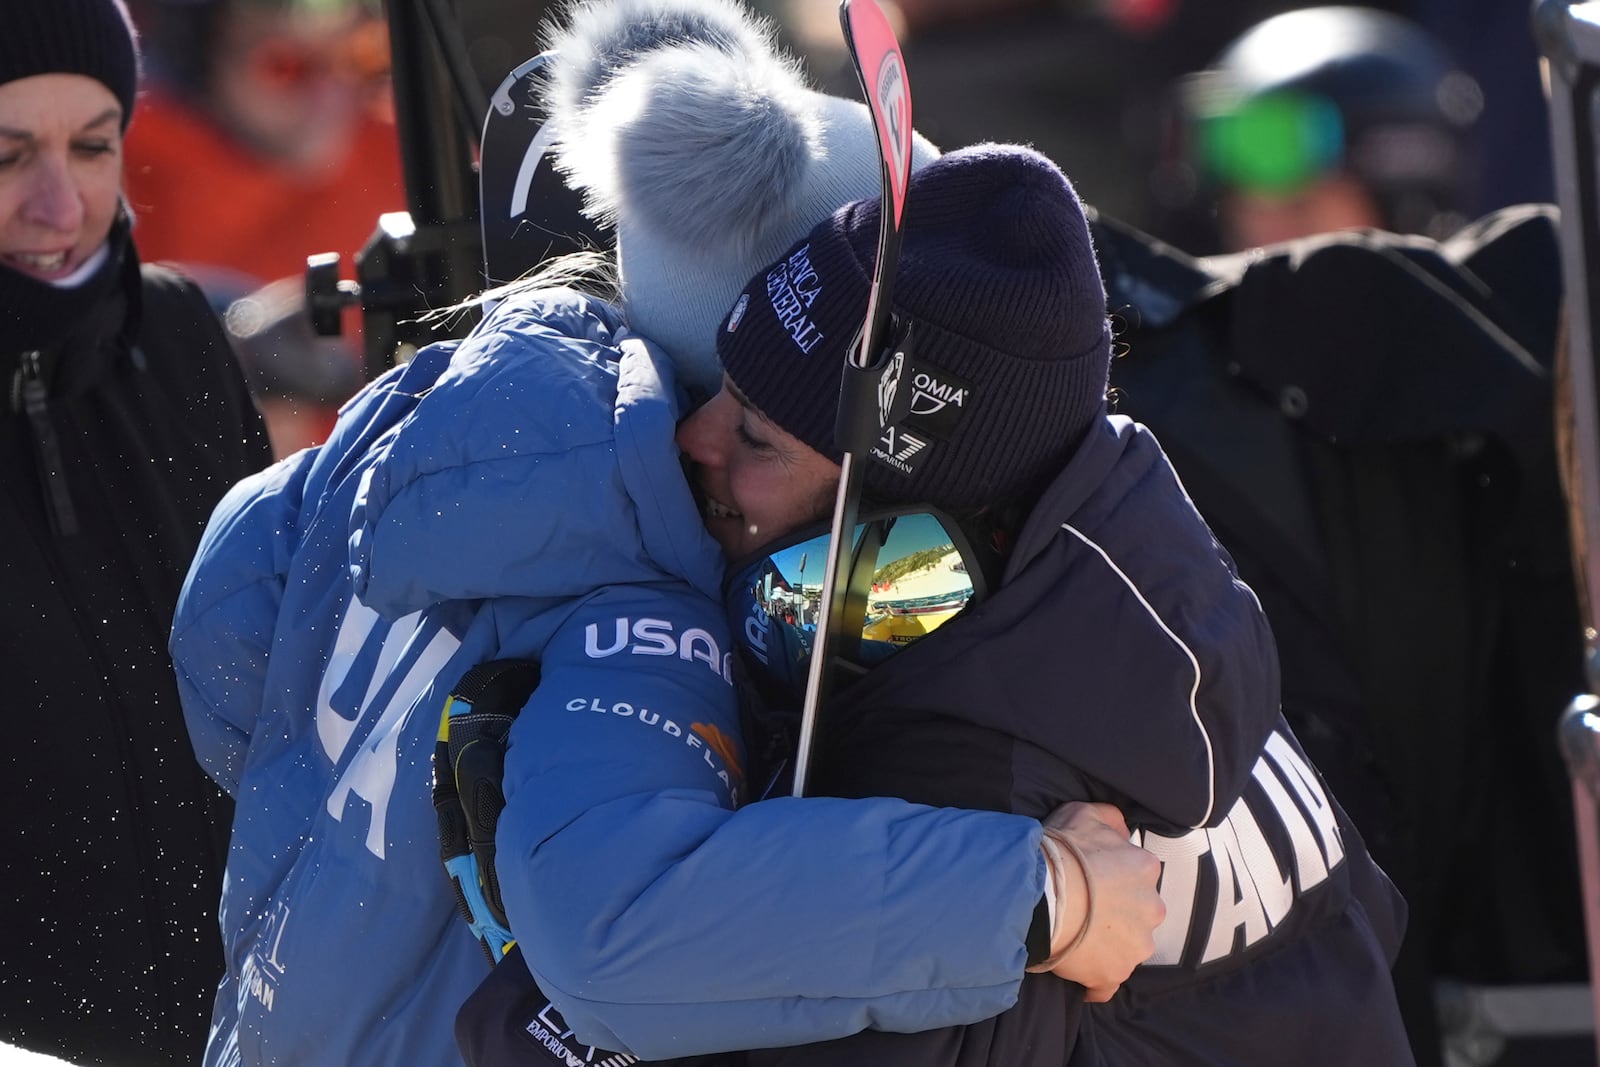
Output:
(519, 496)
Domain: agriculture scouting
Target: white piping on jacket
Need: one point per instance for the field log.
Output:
(1194, 691)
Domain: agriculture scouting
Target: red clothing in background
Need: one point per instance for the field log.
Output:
(200, 198)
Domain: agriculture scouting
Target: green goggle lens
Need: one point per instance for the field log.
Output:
(1273, 143)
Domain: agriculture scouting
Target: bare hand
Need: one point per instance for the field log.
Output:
(1107, 907)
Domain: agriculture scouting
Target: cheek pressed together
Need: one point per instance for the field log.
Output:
(754, 481)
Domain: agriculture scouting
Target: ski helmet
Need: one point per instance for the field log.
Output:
(1310, 92)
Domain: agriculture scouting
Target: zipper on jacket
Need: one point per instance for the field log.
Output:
(30, 395)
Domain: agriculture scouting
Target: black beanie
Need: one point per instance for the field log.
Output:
(1009, 345)
(94, 38)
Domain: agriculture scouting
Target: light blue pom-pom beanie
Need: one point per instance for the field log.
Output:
(683, 124)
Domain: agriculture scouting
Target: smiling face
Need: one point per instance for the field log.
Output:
(60, 172)
(754, 481)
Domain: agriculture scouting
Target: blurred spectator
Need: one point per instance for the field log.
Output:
(299, 379)
(1325, 119)
(1089, 82)
(266, 135)
(1084, 81)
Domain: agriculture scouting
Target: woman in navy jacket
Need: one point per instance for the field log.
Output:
(1116, 657)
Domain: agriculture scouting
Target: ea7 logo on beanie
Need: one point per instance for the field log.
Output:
(901, 449)
(793, 286)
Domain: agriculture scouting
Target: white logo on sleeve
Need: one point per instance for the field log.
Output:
(262, 970)
(550, 1032)
(658, 637)
(1256, 883)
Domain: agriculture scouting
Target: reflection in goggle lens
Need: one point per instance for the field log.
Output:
(911, 572)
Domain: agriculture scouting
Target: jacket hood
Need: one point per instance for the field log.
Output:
(508, 476)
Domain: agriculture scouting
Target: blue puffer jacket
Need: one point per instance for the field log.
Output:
(520, 495)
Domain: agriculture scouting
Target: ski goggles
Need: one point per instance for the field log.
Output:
(911, 570)
(1273, 143)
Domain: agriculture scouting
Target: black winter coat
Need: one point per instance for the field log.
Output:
(114, 447)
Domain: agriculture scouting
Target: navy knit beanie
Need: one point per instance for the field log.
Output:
(94, 38)
(1009, 345)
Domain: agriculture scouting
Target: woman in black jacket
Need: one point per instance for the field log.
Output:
(125, 419)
